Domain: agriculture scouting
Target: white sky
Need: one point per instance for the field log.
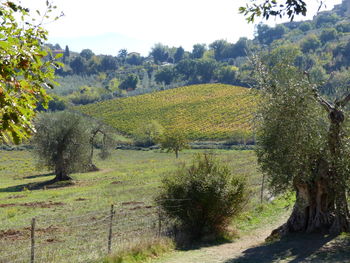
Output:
(106, 26)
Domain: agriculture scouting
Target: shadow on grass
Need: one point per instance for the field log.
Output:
(38, 176)
(36, 186)
(298, 248)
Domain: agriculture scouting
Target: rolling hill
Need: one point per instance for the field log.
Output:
(203, 112)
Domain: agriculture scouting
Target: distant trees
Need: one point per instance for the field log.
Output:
(226, 74)
(165, 74)
(130, 83)
(266, 35)
(179, 54)
(122, 54)
(87, 54)
(78, 65)
(310, 43)
(159, 53)
(108, 63)
(198, 51)
(219, 47)
(328, 34)
(66, 52)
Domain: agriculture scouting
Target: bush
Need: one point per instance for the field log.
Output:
(203, 197)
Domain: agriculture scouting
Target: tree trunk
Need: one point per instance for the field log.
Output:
(321, 205)
(177, 154)
(61, 176)
(60, 171)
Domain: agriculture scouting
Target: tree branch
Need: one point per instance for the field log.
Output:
(328, 107)
(343, 102)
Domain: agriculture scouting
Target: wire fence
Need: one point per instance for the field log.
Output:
(84, 238)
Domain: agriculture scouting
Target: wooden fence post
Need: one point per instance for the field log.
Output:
(159, 222)
(32, 238)
(110, 229)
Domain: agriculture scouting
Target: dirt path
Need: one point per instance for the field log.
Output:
(222, 253)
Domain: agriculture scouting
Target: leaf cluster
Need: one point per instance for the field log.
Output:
(24, 73)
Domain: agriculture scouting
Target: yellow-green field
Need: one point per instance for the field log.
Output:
(203, 112)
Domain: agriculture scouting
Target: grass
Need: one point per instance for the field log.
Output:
(203, 112)
(72, 220)
(143, 252)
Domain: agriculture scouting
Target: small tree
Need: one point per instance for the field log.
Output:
(100, 136)
(130, 83)
(174, 141)
(204, 197)
(62, 143)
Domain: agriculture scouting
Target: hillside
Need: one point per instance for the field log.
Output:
(204, 112)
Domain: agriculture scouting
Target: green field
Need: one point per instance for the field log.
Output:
(203, 112)
(72, 220)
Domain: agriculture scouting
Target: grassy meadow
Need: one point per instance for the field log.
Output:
(68, 216)
(203, 112)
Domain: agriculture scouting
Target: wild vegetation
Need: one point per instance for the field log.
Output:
(211, 111)
(207, 196)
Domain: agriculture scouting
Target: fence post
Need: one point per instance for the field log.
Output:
(159, 221)
(32, 237)
(110, 229)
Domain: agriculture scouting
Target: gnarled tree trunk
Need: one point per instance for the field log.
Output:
(321, 204)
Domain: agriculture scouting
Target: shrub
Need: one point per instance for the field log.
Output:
(203, 197)
(148, 134)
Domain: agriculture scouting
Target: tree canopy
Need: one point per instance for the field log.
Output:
(303, 144)
(24, 73)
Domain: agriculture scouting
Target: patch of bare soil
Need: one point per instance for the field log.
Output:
(16, 196)
(34, 204)
(116, 182)
(133, 203)
(24, 233)
(81, 199)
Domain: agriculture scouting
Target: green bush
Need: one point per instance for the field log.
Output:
(203, 197)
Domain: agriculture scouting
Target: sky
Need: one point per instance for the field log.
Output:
(106, 26)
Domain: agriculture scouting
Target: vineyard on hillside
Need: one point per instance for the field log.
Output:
(203, 112)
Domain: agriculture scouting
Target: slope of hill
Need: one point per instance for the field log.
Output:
(203, 112)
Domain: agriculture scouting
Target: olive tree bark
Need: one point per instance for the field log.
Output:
(61, 171)
(321, 205)
(91, 166)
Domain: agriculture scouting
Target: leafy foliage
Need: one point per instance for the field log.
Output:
(206, 196)
(291, 128)
(149, 133)
(62, 143)
(24, 73)
(174, 141)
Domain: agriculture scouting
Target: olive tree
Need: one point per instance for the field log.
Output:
(62, 143)
(303, 144)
